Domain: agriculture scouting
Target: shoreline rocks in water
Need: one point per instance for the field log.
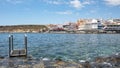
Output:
(112, 61)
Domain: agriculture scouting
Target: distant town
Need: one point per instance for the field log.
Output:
(80, 26)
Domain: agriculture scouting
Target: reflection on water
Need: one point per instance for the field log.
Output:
(65, 46)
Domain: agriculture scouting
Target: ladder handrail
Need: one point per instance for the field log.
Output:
(11, 45)
(25, 43)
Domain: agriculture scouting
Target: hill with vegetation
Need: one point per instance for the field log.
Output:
(23, 28)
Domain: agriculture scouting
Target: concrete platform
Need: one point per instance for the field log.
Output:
(18, 53)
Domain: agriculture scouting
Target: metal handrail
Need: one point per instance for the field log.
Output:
(11, 44)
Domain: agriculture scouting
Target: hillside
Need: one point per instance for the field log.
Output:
(23, 28)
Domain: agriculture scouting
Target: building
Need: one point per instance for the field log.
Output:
(112, 22)
(70, 27)
(58, 27)
(89, 24)
(117, 21)
(112, 28)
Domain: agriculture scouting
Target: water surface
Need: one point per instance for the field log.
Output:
(69, 47)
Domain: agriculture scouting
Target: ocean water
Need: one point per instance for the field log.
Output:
(68, 47)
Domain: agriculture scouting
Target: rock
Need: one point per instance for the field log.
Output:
(60, 63)
(106, 65)
(109, 64)
(40, 65)
(87, 64)
(101, 65)
(99, 59)
(114, 60)
(94, 65)
(52, 67)
(78, 65)
(49, 64)
(1, 57)
(70, 67)
(117, 61)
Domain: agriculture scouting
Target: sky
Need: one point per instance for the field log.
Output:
(20, 12)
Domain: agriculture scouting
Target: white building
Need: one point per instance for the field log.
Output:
(90, 25)
(93, 24)
(113, 22)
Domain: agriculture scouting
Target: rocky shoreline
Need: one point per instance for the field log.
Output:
(112, 61)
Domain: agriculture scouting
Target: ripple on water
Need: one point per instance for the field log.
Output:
(67, 46)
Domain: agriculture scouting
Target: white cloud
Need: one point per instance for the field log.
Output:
(65, 12)
(76, 3)
(113, 2)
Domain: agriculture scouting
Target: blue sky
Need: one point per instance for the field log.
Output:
(18, 12)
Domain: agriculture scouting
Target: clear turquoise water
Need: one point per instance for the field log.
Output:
(65, 46)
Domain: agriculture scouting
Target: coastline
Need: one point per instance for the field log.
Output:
(112, 61)
(65, 32)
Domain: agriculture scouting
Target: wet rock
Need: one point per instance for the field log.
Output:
(99, 59)
(107, 65)
(117, 61)
(60, 63)
(101, 65)
(94, 65)
(49, 64)
(2, 57)
(87, 64)
(114, 60)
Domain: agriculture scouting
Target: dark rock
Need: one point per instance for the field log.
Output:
(87, 64)
(1, 57)
(58, 59)
(114, 60)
